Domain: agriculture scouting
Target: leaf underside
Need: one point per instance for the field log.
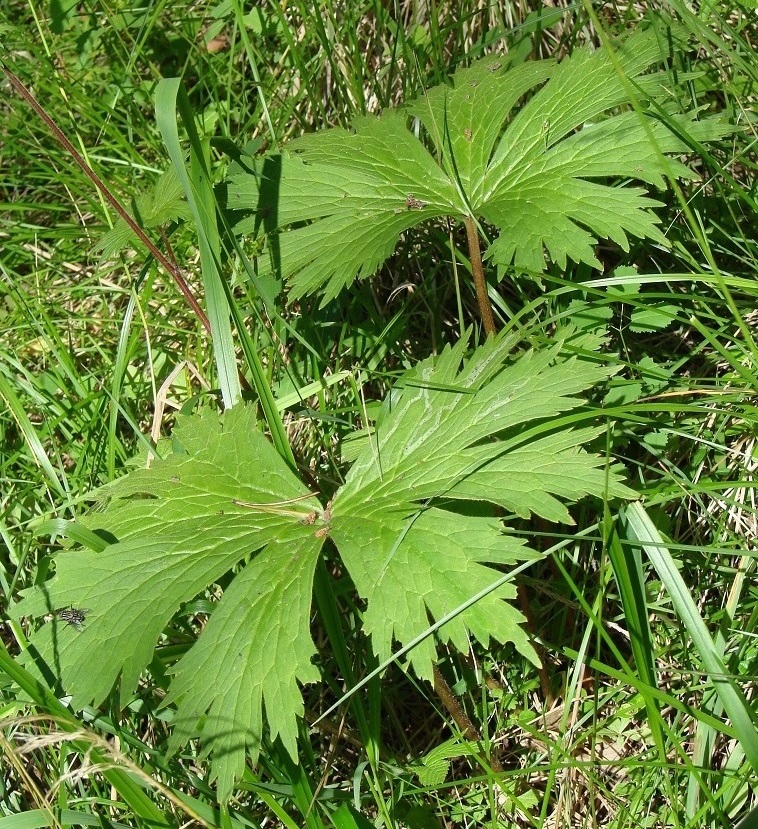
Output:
(224, 504)
(333, 206)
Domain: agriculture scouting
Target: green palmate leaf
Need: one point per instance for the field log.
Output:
(178, 527)
(224, 507)
(164, 204)
(452, 435)
(435, 765)
(333, 206)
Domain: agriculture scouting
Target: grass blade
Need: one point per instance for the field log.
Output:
(199, 191)
(131, 792)
(627, 568)
(642, 530)
(220, 301)
(26, 427)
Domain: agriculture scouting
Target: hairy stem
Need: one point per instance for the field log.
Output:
(461, 718)
(477, 270)
(61, 138)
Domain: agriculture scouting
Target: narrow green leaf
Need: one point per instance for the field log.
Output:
(131, 792)
(198, 189)
(642, 531)
(33, 441)
(221, 303)
(265, 395)
(37, 818)
(346, 817)
(74, 530)
(627, 568)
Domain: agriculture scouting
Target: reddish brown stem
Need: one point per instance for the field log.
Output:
(477, 271)
(174, 271)
(461, 718)
(523, 600)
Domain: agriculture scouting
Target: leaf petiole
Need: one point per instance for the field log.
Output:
(274, 506)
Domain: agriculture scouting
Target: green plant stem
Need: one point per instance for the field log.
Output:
(61, 138)
(477, 271)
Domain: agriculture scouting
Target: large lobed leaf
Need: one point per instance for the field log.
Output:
(455, 434)
(224, 503)
(334, 204)
(177, 528)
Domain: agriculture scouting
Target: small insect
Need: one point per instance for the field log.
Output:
(412, 203)
(545, 132)
(73, 616)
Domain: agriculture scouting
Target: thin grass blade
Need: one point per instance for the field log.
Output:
(199, 191)
(641, 529)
